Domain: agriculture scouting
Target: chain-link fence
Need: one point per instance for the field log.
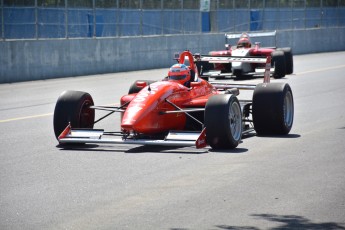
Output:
(51, 19)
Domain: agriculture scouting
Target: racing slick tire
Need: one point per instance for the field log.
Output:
(288, 59)
(135, 89)
(278, 61)
(238, 74)
(223, 121)
(273, 109)
(73, 107)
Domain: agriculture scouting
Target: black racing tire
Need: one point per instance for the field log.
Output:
(278, 61)
(73, 107)
(223, 121)
(288, 59)
(238, 74)
(135, 89)
(273, 109)
(227, 68)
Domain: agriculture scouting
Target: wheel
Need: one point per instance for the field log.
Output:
(238, 73)
(278, 61)
(227, 68)
(288, 59)
(273, 108)
(135, 89)
(73, 107)
(223, 121)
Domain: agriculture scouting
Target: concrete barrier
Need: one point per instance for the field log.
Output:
(25, 60)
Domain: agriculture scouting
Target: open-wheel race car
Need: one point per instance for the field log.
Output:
(282, 58)
(181, 110)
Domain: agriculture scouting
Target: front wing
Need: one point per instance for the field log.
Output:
(96, 136)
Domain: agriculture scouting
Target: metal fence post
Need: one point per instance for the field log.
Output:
(249, 18)
(162, 18)
(94, 35)
(321, 16)
(2, 21)
(117, 26)
(305, 12)
(66, 19)
(182, 17)
(36, 20)
(141, 18)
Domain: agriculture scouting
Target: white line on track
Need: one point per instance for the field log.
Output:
(35, 116)
(322, 69)
(27, 117)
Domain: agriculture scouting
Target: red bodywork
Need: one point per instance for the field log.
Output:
(145, 112)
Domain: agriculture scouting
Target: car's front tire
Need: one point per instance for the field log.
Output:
(273, 109)
(73, 107)
(223, 121)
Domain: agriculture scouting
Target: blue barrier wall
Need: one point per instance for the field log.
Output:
(24, 60)
(32, 22)
(21, 22)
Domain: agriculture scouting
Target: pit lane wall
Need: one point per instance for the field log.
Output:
(26, 60)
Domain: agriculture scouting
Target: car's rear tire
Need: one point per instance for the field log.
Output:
(273, 108)
(73, 107)
(135, 89)
(223, 121)
(278, 61)
(288, 59)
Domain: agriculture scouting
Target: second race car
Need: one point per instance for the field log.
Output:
(282, 58)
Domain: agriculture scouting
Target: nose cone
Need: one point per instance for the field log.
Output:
(137, 115)
(143, 112)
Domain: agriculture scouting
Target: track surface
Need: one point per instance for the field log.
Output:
(293, 182)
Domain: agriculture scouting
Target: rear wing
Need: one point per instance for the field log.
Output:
(224, 59)
(252, 35)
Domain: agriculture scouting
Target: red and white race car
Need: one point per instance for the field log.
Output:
(282, 58)
(181, 110)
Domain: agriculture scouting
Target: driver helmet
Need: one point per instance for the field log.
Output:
(179, 73)
(244, 41)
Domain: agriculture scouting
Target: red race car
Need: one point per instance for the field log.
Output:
(282, 59)
(181, 110)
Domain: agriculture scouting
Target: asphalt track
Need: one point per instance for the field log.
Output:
(291, 182)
